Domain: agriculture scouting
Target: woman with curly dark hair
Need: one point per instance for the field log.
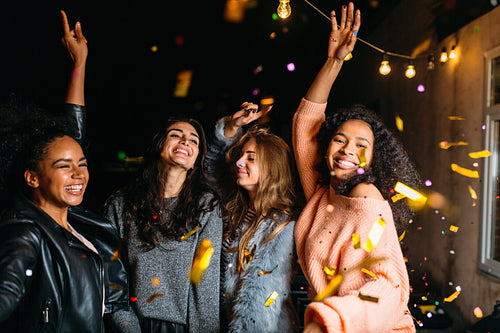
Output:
(346, 237)
(165, 214)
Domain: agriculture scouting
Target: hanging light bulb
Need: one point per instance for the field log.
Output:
(430, 62)
(284, 10)
(410, 70)
(348, 57)
(444, 56)
(384, 68)
(453, 53)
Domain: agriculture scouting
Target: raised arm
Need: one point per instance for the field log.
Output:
(76, 44)
(311, 111)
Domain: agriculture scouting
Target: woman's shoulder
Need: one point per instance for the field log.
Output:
(366, 190)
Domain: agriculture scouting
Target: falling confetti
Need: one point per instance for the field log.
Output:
(364, 270)
(399, 123)
(329, 208)
(452, 297)
(453, 228)
(409, 192)
(267, 272)
(446, 144)
(478, 312)
(115, 286)
(330, 289)
(397, 197)
(362, 158)
(479, 154)
(464, 172)
(155, 281)
(271, 298)
(356, 242)
(456, 118)
(201, 261)
(402, 236)
(472, 193)
(189, 233)
(368, 298)
(249, 254)
(329, 271)
(374, 235)
(152, 297)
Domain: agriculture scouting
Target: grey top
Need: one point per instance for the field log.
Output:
(159, 277)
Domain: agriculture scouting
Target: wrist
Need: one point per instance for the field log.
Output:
(230, 129)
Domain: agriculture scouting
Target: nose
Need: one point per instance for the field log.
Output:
(77, 172)
(240, 163)
(348, 149)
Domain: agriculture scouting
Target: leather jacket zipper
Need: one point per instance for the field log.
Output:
(45, 311)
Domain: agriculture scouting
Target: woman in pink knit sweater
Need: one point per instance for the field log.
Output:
(349, 164)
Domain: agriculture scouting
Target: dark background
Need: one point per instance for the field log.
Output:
(129, 88)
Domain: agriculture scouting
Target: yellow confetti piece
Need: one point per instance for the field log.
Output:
(399, 123)
(152, 297)
(472, 193)
(356, 242)
(452, 297)
(267, 101)
(362, 158)
(446, 144)
(271, 298)
(478, 312)
(479, 154)
(464, 172)
(267, 272)
(330, 289)
(456, 118)
(116, 255)
(397, 196)
(453, 228)
(155, 281)
(115, 286)
(374, 235)
(368, 298)
(329, 271)
(189, 233)
(426, 308)
(249, 254)
(364, 270)
(409, 192)
(201, 261)
(402, 236)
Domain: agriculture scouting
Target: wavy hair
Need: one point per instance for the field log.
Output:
(275, 195)
(144, 201)
(390, 162)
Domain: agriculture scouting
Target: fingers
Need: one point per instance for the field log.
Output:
(79, 33)
(333, 17)
(65, 23)
(350, 16)
(343, 18)
(357, 20)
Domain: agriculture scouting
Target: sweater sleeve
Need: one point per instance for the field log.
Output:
(18, 253)
(306, 124)
(388, 292)
(271, 270)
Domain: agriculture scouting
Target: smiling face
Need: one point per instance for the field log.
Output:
(247, 168)
(62, 176)
(346, 146)
(181, 146)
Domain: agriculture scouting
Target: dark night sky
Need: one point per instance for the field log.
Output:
(129, 87)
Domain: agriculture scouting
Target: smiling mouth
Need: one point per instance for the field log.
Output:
(345, 164)
(74, 188)
(182, 151)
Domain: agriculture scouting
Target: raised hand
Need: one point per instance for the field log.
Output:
(343, 37)
(74, 42)
(248, 113)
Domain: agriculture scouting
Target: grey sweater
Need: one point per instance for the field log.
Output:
(159, 283)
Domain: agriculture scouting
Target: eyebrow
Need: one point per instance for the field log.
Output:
(357, 137)
(179, 130)
(67, 160)
(249, 152)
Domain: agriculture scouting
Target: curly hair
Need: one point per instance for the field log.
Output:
(389, 165)
(144, 201)
(275, 192)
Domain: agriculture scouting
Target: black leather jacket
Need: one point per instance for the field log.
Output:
(49, 280)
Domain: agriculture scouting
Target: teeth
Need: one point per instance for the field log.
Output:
(181, 151)
(346, 163)
(73, 188)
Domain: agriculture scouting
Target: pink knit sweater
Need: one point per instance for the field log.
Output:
(324, 238)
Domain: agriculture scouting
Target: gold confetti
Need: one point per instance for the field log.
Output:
(478, 312)
(115, 286)
(456, 118)
(362, 158)
(397, 196)
(152, 297)
(374, 235)
(189, 233)
(472, 193)
(267, 272)
(356, 242)
(329, 271)
(201, 261)
(249, 254)
(271, 298)
(464, 172)
(399, 123)
(368, 298)
(267, 101)
(330, 289)
(426, 308)
(364, 270)
(409, 192)
(452, 297)
(453, 228)
(446, 144)
(155, 281)
(116, 255)
(479, 154)
(402, 236)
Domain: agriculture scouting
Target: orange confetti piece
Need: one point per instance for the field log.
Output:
(399, 123)
(116, 255)
(446, 144)
(452, 297)
(464, 172)
(478, 312)
(479, 154)
(267, 272)
(453, 228)
(402, 236)
(356, 242)
(374, 235)
(456, 118)
(368, 298)
(201, 261)
(267, 101)
(115, 286)
(271, 298)
(155, 281)
(189, 233)
(397, 196)
(330, 289)
(364, 270)
(152, 297)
